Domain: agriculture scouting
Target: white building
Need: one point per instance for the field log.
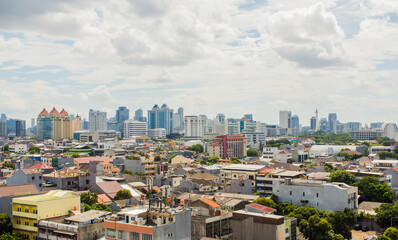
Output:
(285, 119)
(134, 128)
(390, 130)
(19, 148)
(269, 152)
(97, 120)
(157, 133)
(283, 156)
(194, 126)
(328, 150)
(319, 194)
(253, 137)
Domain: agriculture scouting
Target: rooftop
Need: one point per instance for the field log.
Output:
(244, 167)
(87, 216)
(51, 195)
(210, 202)
(18, 190)
(261, 207)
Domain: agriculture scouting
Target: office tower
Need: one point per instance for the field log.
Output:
(194, 126)
(86, 124)
(323, 124)
(181, 115)
(3, 118)
(313, 123)
(3, 129)
(376, 125)
(60, 125)
(76, 124)
(296, 122)
(390, 130)
(97, 120)
(16, 128)
(220, 117)
(134, 128)
(138, 114)
(228, 146)
(32, 123)
(285, 119)
(332, 122)
(176, 122)
(249, 117)
(72, 116)
(112, 125)
(161, 118)
(122, 114)
(353, 126)
(317, 122)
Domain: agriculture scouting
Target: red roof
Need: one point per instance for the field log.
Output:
(102, 198)
(284, 152)
(262, 172)
(262, 208)
(44, 111)
(64, 112)
(40, 166)
(210, 202)
(54, 110)
(351, 153)
(395, 168)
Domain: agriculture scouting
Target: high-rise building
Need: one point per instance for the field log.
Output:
(220, 117)
(376, 125)
(86, 124)
(122, 114)
(353, 126)
(390, 130)
(138, 115)
(181, 114)
(285, 119)
(72, 116)
(97, 120)
(16, 128)
(32, 123)
(248, 117)
(296, 122)
(161, 118)
(3, 118)
(313, 123)
(323, 124)
(195, 126)
(316, 122)
(54, 125)
(134, 128)
(332, 122)
(3, 129)
(176, 123)
(76, 124)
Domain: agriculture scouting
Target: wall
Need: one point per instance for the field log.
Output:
(91, 231)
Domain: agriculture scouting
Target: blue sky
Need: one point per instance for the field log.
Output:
(234, 57)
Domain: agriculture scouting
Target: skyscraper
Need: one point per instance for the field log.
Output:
(76, 124)
(54, 125)
(181, 115)
(220, 117)
(32, 123)
(97, 120)
(285, 119)
(296, 122)
(313, 123)
(138, 114)
(3, 118)
(16, 128)
(194, 126)
(323, 124)
(161, 118)
(122, 114)
(249, 117)
(332, 122)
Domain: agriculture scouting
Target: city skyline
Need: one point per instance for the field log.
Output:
(242, 57)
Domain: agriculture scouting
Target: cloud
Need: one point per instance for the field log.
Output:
(309, 37)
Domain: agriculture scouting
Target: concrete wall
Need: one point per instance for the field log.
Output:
(134, 166)
(91, 231)
(248, 229)
(180, 229)
(20, 178)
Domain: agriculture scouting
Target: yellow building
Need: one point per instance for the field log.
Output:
(27, 211)
(75, 125)
(60, 121)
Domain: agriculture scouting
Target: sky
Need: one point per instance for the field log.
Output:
(209, 56)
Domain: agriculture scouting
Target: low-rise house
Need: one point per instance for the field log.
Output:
(256, 226)
(241, 185)
(179, 159)
(26, 176)
(254, 207)
(283, 156)
(321, 195)
(7, 193)
(43, 168)
(68, 179)
(108, 188)
(85, 226)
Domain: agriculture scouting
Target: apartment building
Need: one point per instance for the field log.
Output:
(228, 146)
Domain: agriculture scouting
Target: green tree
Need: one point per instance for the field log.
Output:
(34, 150)
(342, 176)
(396, 150)
(265, 202)
(173, 156)
(5, 224)
(14, 236)
(235, 160)
(123, 194)
(343, 222)
(386, 215)
(6, 148)
(75, 155)
(317, 228)
(101, 207)
(286, 208)
(8, 165)
(371, 189)
(89, 198)
(328, 167)
(128, 172)
(212, 160)
(157, 158)
(252, 153)
(304, 212)
(197, 148)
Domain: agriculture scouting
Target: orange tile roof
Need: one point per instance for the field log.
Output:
(266, 171)
(102, 198)
(262, 208)
(395, 168)
(210, 202)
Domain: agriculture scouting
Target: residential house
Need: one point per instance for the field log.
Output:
(7, 193)
(26, 176)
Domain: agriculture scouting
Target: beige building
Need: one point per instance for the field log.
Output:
(228, 146)
(76, 125)
(60, 121)
(253, 225)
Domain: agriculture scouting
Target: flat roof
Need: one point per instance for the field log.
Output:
(136, 211)
(244, 167)
(87, 216)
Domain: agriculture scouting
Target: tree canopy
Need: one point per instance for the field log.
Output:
(5, 224)
(34, 150)
(197, 148)
(342, 176)
(390, 233)
(123, 194)
(387, 214)
(374, 191)
(252, 153)
(89, 198)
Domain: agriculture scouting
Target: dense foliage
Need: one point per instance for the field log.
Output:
(342, 176)
(327, 137)
(5, 224)
(123, 194)
(277, 143)
(387, 215)
(390, 233)
(197, 148)
(252, 153)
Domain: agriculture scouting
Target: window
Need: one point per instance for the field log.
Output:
(303, 194)
(251, 177)
(317, 203)
(18, 221)
(26, 210)
(170, 219)
(122, 235)
(317, 194)
(111, 233)
(146, 237)
(134, 236)
(170, 235)
(26, 223)
(39, 177)
(19, 209)
(290, 193)
(33, 177)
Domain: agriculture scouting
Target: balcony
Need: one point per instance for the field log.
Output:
(24, 227)
(24, 214)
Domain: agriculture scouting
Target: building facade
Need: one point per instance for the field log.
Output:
(228, 146)
(97, 120)
(54, 125)
(161, 118)
(194, 126)
(134, 128)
